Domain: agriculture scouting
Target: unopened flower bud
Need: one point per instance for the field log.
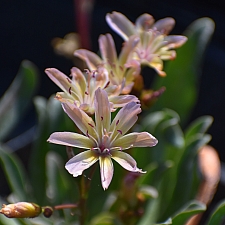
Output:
(21, 210)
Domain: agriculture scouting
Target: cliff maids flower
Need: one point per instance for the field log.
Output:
(118, 67)
(103, 139)
(80, 89)
(154, 45)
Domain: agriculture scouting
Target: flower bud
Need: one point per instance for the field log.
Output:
(21, 210)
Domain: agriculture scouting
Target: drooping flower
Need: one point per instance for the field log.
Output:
(103, 139)
(119, 69)
(81, 89)
(154, 45)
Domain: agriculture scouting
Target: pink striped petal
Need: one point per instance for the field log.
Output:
(164, 25)
(102, 111)
(59, 78)
(71, 139)
(125, 119)
(143, 139)
(81, 162)
(120, 24)
(144, 22)
(106, 170)
(107, 48)
(81, 119)
(126, 161)
(92, 60)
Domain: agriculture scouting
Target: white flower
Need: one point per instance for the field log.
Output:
(103, 139)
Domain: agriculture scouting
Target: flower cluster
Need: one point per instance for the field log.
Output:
(89, 98)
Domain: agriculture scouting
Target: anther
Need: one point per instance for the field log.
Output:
(70, 90)
(90, 125)
(69, 80)
(120, 131)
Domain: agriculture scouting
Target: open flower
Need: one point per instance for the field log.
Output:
(103, 139)
(118, 67)
(154, 46)
(81, 89)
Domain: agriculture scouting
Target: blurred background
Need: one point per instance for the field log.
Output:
(28, 27)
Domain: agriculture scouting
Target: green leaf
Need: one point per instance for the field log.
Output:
(183, 72)
(218, 215)
(60, 188)
(18, 97)
(39, 151)
(185, 188)
(169, 221)
(15, 173)
(200, 125)
(187, 212)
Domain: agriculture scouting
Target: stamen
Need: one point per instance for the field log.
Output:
(70, 91)
(91, 125)
(86, 93)
(111, 72)
(101, 118)
(121, 68)
(120, 131)
(117, 122)
(87, 134)
(107, 84)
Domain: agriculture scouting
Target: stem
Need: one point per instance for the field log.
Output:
(84, 190)
(65, 206)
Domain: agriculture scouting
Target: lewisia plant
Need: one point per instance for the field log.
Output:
(155, 45)
(103, 139)
(80, 89)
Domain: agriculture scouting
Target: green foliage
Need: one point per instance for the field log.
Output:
(183, 73)
(18, 97)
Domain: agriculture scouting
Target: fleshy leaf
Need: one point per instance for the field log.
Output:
(218, 215)
(15, 173)
(188, 211)
(185, 70)
(18, 97)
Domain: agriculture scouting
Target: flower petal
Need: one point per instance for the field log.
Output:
(81, 162)
(102, 111)
(164, 25)
(120, 24)
(127, 49)
(125, 119)
(81, 119)
(59, 78)
(107, 48)
(126, 161)
(122, 100)
(106, 170)
(175, 41)
(135, 139)
(71, 139)
(92, 60)
(144, 22)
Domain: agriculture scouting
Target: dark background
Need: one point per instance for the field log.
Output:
(28, 26)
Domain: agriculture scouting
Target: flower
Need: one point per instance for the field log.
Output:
(21, 210)
(154, 46)
(80, 89)
(118, 67)
(103, 139)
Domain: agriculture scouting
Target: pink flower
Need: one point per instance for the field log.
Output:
(120, 71)
(154, 45)
(81, 89)
(103, 139)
